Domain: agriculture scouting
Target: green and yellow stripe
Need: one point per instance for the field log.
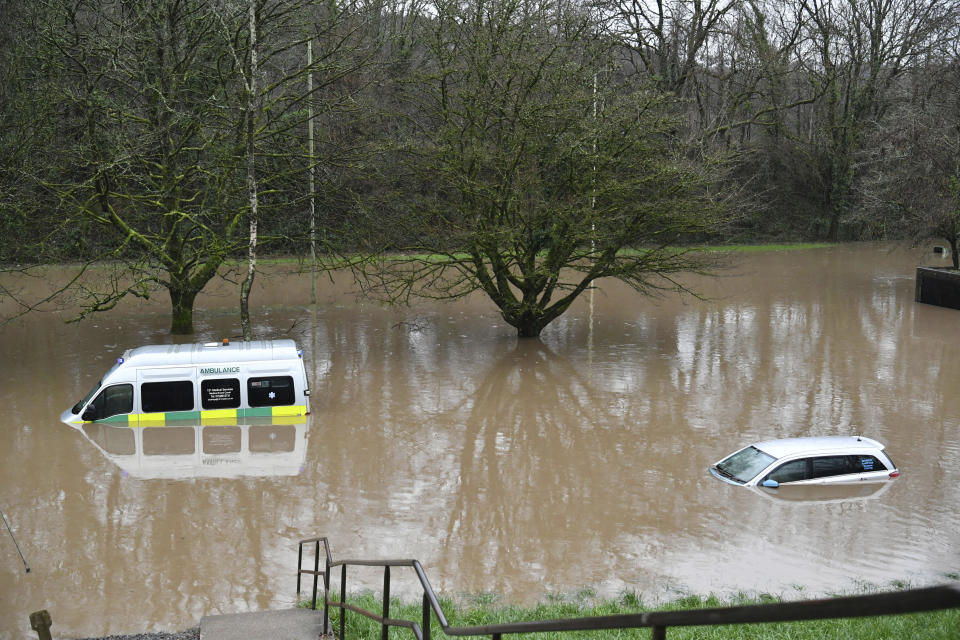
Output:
(277, 415)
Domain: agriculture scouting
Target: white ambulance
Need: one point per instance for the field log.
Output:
(205, 383)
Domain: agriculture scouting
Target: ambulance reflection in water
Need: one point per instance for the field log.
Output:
(264, 447)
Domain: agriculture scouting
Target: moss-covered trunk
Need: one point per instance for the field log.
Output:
(531, 319)
(181, 301)
(529, 328)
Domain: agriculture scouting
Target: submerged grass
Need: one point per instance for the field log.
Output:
(487, 609)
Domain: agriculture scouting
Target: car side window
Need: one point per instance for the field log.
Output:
(865, 464)
(114, 400)
(827, 466)
(790, 472)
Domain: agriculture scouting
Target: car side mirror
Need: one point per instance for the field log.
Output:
(89, 414)
(772, 484)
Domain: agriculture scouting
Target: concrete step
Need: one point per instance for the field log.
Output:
(284, 624)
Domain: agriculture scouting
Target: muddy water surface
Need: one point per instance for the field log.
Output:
(517, 467)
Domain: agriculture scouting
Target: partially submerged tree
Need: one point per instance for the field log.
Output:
(177, 125)
(138, 88)
(528, 170)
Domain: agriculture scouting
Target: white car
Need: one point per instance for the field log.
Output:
(807, 461)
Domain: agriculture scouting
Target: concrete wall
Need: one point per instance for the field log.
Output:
(938, 286)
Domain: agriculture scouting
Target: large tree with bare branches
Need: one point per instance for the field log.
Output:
(856, 51)
(530, 169)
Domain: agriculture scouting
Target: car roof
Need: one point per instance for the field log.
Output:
(814, 445)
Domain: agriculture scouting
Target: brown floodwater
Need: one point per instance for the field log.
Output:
(522, 468)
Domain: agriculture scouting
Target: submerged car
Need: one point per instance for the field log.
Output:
(807, 461)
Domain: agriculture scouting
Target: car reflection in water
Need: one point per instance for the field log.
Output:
(824, 493)
(260, 447)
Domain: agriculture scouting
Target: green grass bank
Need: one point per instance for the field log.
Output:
(757, 248)
(937, 625)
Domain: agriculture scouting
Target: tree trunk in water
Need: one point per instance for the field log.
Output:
(251, 179)
(529, 325)
(532, 318)
(529, 331)
(182, 311)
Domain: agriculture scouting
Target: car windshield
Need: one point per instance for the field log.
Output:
(76, 408)
(744, 464)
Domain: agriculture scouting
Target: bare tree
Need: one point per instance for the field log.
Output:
(911, 167)
(856, 50)
(669, 38)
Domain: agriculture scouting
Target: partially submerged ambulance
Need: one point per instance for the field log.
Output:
(206, 383)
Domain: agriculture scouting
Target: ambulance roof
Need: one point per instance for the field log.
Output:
(210, 352)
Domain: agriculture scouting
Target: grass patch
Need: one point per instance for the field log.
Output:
(731, 248)
(757, 248)
(486, 609)
(423, 257)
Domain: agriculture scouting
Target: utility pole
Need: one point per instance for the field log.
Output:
(313, 206)
(593, 224)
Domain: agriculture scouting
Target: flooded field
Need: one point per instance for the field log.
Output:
(523, 468)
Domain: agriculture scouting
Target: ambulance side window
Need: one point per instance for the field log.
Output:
(156, 397)
(223, 393)
(270, 392)
(113, 400)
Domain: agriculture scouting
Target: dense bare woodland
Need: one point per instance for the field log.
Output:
(501, 140)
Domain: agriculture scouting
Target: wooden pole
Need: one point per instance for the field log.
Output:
(40, 622)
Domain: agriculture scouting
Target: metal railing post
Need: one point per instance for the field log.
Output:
(316, 568)
(326, 590)
(658, 633)
(299, 567)
(425, 624)
(343, 600)
(386, 603)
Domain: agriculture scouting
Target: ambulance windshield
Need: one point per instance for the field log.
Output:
(77, 407)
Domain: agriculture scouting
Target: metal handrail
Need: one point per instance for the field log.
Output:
(945, 596)
(316, 573)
